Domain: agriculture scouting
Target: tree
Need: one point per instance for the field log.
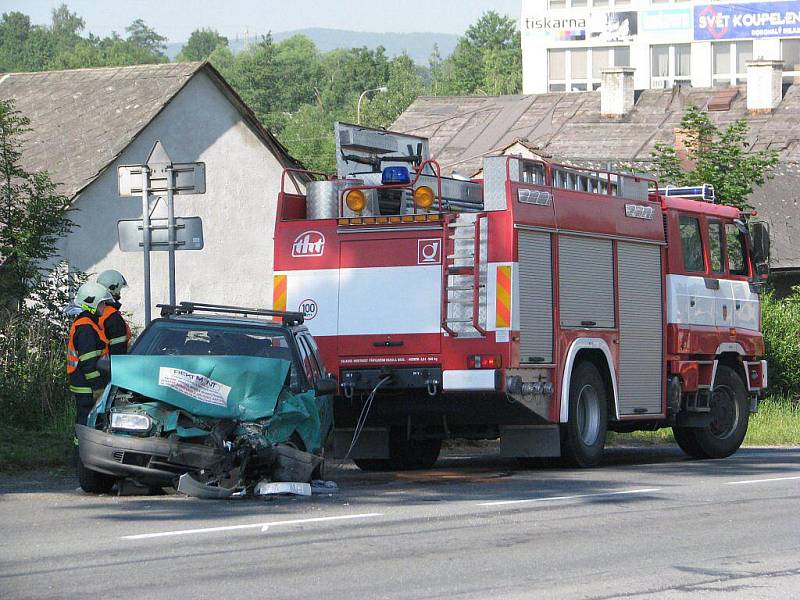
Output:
(33, 215)
(142, 36)
(404, 85)
(487, 59)
(717, 156)
(201, 45)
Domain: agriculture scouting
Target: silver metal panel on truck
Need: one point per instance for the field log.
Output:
(535, 297)
(641, 363)
(585, 282)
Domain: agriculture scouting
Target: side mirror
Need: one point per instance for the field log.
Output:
(325, 386)
(759, 238)
(104, 366)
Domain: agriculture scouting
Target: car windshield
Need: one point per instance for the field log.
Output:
(212, 339)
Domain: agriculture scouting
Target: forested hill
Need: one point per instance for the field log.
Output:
(417, 45)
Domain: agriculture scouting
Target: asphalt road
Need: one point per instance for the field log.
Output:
(648, 523)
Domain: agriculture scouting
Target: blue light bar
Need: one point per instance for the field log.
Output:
(395, 175)
(698, 192)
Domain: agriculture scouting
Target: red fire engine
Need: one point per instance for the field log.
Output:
(541, 303)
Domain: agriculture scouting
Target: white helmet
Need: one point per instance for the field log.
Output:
(113, 280)
(90, 295)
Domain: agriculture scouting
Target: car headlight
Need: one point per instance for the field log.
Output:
(130, 422)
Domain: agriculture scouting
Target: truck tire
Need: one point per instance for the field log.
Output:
(93, 482)
(686, 439)
(373, 464)
(415, 454)
(730, 414)
(584, 435)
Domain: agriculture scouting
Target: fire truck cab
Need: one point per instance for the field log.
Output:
(543, 304)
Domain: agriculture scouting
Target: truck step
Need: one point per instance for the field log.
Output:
(454, 270)
(471, 255)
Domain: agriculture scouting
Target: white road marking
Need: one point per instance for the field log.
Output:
(554, 498)
(744, 481)
(262, 526)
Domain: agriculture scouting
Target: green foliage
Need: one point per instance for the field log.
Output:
(201, 45)
(34, 391)
(27, 47)
(404, 85)
(33, 215)
(780, 321)
(487, 60)
(720, 157)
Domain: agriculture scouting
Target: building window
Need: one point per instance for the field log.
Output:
(578, 70)
(670, 65)
(728, 62)
(558, 4)
(790, 54)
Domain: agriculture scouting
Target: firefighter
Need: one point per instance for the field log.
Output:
(86, 344)
(111, 320)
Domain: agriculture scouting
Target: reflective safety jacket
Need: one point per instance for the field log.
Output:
(85, 346)
(115, 329)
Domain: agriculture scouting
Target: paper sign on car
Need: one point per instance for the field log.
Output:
(194, 385)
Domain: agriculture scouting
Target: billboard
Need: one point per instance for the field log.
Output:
(751, 20)
(578, 27)
(666, 20)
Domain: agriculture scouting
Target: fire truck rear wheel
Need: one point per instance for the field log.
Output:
(584, 435)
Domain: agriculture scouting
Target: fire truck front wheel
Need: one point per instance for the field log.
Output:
(584, 435)
(730, 414)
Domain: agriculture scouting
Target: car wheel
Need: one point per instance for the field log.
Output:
(584, 435)
(93, 482)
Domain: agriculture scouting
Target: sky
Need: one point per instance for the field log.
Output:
(176, 19)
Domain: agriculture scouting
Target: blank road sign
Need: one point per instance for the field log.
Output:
(188, 235)
(190, 178)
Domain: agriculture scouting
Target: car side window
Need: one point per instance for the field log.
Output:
(692, 245)
(737, 264)
(309, 364)
(312, 344)
(715, 247)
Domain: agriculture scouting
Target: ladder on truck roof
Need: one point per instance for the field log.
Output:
(464, 275)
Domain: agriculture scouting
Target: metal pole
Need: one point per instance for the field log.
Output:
(146, 240)
(172, 233)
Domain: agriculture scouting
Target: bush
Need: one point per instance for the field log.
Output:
(781, 327)
(34, 391)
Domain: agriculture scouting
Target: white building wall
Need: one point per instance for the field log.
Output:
(576, 28)
(238, 208)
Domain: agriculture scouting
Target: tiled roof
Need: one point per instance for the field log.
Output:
(82, 119)
(569, 127)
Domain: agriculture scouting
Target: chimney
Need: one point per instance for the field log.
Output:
(764, 85)
(616, 91)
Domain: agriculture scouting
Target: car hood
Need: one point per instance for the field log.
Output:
(243, 388)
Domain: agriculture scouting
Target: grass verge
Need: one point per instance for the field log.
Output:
(23, 450)
(777, 423)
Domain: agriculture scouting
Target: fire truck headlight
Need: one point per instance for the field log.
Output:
(424, 197)
(356, 200)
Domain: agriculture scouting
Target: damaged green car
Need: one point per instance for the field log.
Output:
(211, 404)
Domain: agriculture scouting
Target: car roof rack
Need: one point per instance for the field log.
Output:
(187, 308)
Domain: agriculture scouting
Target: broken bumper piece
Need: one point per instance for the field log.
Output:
(191, 487)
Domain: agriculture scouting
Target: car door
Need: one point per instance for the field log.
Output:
(315, 369)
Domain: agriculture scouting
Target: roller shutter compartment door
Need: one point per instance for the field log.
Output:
(641, 364)
(586, 282)
(535, 297)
